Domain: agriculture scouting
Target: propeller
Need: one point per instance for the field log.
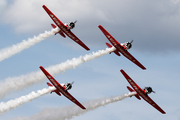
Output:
(69, 86)
(131, 41)
(72, 83)
(129, 44)
(149, 90)
(152, 90)
(72, 25)
(75, 21)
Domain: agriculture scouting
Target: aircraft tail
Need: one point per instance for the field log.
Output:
(131, 90)
(108, 45)
(56, 91)
(54, 26)
(116, 52)
(60, 32)
(49, 84)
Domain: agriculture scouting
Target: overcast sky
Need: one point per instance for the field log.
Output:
(153, 25)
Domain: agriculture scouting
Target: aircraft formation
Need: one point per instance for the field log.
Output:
(119, 49)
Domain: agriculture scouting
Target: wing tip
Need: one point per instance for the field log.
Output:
(43, 6)
(41, 67)
(163, 112)
(121, 70)
(100, 27)
(144, 68)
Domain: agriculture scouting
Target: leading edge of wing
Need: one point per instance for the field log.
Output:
(119, 48)
(53, 17)
(70, 97)
(129, 56)
(75, 38)
(63, 28)
(108, 36)
(131, 82)
(151, 102)
(139, 92)
(50, 77)
(60, 88)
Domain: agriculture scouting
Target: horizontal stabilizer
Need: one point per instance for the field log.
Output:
(131, 90)
(56, 91)
(60, 32)
(108, 45)
(53, 25)
(116, 52)
(49, 84)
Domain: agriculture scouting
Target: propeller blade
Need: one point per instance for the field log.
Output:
(131, 41)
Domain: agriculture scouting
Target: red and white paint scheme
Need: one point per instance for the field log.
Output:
(61, 88)
(122, 48)
(65, 28)
(141, 92)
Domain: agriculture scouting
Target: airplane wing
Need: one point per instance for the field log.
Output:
(64, 29)
(151, 102)
(120, 48)
(141, 93)
(53, 17)
(61, 89)
(73, 37)
(129, 56)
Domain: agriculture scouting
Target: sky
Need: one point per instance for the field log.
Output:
(153, 25)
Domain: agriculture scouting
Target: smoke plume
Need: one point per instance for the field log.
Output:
(65, 113)
(12, 104)
(25, 44)
(13, 84)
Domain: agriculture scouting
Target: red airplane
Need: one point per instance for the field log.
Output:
(122, 48)
(65, 28)
(61, 88)
(141, 92)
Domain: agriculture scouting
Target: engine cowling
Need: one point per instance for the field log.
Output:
(148, 90)
(127, 45)
(71, 25)
(68, 86)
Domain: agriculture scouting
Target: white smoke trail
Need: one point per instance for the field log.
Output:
(18, 83)
(65, 113)
(9, 51)
(12, 104)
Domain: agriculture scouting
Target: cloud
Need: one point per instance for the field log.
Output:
(28, 16)
(154, 25)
